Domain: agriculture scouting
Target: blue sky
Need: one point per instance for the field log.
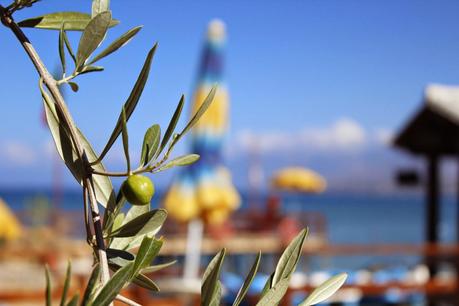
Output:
(299, 73)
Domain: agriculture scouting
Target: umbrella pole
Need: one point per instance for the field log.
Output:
(193, 249)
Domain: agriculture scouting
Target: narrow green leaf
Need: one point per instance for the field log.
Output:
(103, 186)
(113, 286)
(183, 160)
(111, 213)
(74, 21)
(150, 144)
(155, 268)
(148, 223)
(210, 279)
(48, 287)
(55, 21)
(325, 290)
(124, 132)
(99, 6)
(118, 43)
(64, 145)
(61, 49)
(92, 284)
(133, 212)
(61, 136)
(118, 221)
(289, 259)
(248, 280)
(172, 124)
(201, 110)
(267, 286)
(140, 279)
(68, 276)
(73, 86)
(92, 36)
(217, 296)
(131, 102)
(275, 294)
(74, 300)
(149, 249)
(88, 69)
(69, 46)
(145, 282)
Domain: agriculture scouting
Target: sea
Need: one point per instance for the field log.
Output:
(350, 218)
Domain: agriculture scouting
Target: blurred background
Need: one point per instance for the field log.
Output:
(342, 116)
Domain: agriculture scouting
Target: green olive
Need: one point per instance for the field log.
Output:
(138, 189)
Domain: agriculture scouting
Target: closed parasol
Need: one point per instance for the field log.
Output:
(205, 190)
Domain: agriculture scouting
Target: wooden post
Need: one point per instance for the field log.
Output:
(432, 209)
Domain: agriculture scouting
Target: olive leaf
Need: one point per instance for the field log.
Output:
(156, 268)
(73, 86)
(201, 110)
(148, 250)
(289, 259)
(140, 279)
(68, 276)
(131, 102)
(64, 146)
(102, 184)
(248, 280)
(88, 69)
(274, 295)
(150, 144)
(210, 288)
(133, 212)
(61, 49)
(148, 223)
(145, 282)
(172, 124)
(71, 21)
(179, 161)
(108, 293)
(118, 43)
(325, 290)
(92, 36)
(74, 300)
(111, 212)
(61, 136)
(99, 6)
(125, 140)
(69, 46)
(92, 284)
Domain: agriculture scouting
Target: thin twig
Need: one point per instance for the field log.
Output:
(121, 174)
(126, 301)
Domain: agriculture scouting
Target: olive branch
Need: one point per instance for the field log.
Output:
(116, 236)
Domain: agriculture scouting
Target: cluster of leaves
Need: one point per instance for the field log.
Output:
(129, 239)
(276, 285)
(131, 271)
(134, 230)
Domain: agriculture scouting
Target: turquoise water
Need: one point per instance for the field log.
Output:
(350, 218)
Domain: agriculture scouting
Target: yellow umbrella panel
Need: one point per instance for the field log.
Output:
(297, 179)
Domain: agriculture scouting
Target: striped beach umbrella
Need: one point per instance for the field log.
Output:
(205, 190)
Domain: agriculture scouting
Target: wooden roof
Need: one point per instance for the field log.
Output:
(434, 128)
